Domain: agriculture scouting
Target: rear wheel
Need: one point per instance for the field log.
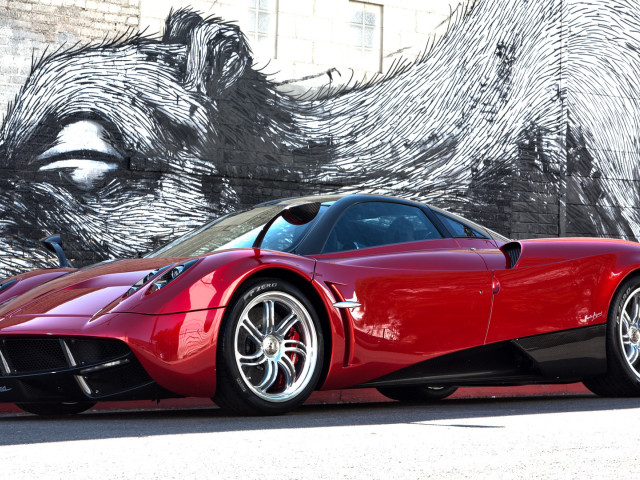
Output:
(271, 354)
(421, 393)
(623, 345)
(58, 408)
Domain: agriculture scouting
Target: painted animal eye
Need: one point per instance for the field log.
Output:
(82, 153)
(82, 171)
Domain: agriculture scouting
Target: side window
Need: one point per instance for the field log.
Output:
(459, 229)
(372, 224)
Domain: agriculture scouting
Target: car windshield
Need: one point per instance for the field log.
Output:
(238, 230)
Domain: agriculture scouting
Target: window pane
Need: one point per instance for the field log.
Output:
(252, 3)
(282, 235)
(369, 35)
(370, 18)
(459, 229)
(366, 51)
(373, 224)
(265, 4)
(356, 15)
(264, 20)
(355, 35)
(250, 20)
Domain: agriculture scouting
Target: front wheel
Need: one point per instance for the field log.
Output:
(420, 393)
(270, 359)
(622, 378)
(57, 408)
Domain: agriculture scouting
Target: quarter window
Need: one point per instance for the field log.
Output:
(373, 224)
(459, 229)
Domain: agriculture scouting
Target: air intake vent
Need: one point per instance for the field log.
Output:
(513, 252)
(27, 355)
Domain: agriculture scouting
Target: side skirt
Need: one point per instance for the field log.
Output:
(558, 357)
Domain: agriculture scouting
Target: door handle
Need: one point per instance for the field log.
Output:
(495, 284)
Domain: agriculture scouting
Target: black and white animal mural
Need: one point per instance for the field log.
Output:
(524, 117)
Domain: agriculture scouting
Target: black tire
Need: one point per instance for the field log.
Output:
(417, 394)
(268, 367)
(622, 378)
(59, 408)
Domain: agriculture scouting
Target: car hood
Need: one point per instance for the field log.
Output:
(83, 292)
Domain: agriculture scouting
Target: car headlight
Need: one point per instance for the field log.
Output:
(135, 287)
(6, 284)
(170, 276)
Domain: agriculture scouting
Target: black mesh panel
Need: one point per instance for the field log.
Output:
(25, 355)
(90, 351)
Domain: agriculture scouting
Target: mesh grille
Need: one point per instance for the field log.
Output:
(89, 351)
(25, 355)
(32, 355)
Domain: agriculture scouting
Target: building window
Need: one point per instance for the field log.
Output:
(261, 27)
(365, 31)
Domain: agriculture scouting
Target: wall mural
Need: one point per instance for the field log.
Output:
(524, 117)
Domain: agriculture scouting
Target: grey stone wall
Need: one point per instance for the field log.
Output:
(28, 28)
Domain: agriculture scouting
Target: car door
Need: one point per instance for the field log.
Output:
(420, 295)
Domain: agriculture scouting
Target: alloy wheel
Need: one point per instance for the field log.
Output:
(275, 344)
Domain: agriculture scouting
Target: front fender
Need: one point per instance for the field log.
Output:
(27, 281)
(211, 282)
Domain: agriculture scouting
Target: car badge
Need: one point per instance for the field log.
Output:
(593, 316)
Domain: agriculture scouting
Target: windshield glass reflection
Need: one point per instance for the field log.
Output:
(238, 230)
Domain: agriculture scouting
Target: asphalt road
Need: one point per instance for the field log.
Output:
(581, 436)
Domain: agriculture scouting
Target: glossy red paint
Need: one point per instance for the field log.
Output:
(30, 280)
(477, 243)
(559, 284)
(183, 351)
(178, 350)
(415, 305)
(211, 282)
(177, 344)
(80, 292)
(545, 251)
(424, 303)
(419, 300)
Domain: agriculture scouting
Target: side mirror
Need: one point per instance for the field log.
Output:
(301, 214)
(54, 245)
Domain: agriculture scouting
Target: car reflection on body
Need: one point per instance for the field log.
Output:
(261, 307)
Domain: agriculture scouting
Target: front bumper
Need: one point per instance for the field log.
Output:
(68, 369)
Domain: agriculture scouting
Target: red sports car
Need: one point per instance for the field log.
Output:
(259, 308)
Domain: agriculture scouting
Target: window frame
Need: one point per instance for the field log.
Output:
(362, 51)
(253, 33)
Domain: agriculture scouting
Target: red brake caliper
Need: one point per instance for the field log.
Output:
(280, 381)
(293, 335)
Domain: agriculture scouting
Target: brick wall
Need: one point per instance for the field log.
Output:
(29, 27)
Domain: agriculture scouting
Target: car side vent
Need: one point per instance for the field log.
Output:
(513, 251)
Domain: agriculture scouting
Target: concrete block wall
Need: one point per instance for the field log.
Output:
(28, 28)
(312, 35)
